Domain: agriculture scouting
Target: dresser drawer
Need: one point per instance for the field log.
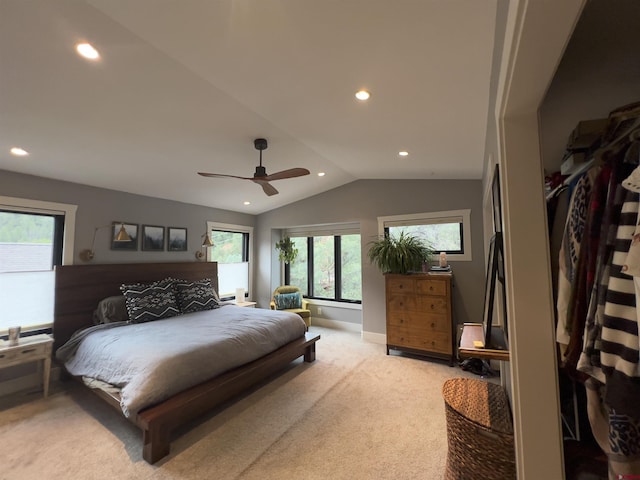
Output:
(433, 304)
(408, 320)
(435, 342)
(402, 284)
(431, 287)
(437, 322)
(420, 324)
(401, 303)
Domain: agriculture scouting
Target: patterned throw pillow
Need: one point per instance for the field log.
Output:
(286, 301)
(175, 281)
(146, 303)
(195, 296)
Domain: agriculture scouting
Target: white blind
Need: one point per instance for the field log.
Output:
(323, 230)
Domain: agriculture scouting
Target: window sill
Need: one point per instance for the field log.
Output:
(329, 303)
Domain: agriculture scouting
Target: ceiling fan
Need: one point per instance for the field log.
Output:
(260, 176)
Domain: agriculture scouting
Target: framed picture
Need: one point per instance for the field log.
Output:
(177, 239)
(118, 230)
(152, 238)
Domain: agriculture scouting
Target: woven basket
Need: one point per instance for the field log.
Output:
(479, 431)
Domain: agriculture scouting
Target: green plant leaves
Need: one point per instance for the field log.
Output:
(402, 254)
(288, 252)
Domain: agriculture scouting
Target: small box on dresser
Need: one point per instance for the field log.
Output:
(419, 314)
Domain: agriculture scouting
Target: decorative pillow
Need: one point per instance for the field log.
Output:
(150, 302)
(195, 296)
(175, 281)
(286, 301)
(111, 309)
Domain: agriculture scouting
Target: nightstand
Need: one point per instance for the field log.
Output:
(29, 349)
(246, 304)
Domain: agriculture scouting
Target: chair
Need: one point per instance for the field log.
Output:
(292, 297)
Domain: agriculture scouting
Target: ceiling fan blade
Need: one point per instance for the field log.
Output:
(290, 173)
(221, 175)
(266, 186)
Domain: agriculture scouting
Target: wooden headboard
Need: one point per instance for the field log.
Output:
(79, 288)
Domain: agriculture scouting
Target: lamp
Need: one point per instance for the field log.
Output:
(122, 236)
(207, 242)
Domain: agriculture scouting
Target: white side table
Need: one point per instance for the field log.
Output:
(29, 349)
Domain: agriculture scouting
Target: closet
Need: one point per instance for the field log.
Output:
(592, 218)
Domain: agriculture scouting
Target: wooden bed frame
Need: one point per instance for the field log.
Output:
(79, 288)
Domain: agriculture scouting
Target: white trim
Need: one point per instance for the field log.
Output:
(229, 227)
(38, 206)
(437, 217)
(329, 229)
(379, 338)
(334, 304)
(336, 324)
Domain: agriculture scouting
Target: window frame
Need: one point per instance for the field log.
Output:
(56, 210)
(48, 208)
(233, 228)
(324, 230)
(430, 218)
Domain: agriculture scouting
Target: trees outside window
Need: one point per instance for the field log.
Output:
(328, 267)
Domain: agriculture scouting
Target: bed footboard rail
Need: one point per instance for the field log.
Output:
(159, 421)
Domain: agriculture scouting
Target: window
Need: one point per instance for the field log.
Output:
(232, 250)
(328, 265)
(34, 237)
(448, 232)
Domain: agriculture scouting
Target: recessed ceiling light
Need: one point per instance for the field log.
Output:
(87, 51)
(363, 95)
(18, 152)
(247, 203)
(321, 174)
(403, 153)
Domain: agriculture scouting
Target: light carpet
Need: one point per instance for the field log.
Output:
(354, 413)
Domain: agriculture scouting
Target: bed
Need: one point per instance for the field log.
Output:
(79, 289)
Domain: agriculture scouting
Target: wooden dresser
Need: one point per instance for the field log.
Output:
(419, 318)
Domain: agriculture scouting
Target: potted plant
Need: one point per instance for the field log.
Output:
(287, 250)
(402, 254)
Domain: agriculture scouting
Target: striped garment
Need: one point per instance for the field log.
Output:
(611, 349)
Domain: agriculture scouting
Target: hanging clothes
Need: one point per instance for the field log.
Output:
(598, 314)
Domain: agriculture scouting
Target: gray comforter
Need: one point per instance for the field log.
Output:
(152, 361)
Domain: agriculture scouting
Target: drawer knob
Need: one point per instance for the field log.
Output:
(432, 306)
(29, 350)
(433, 324)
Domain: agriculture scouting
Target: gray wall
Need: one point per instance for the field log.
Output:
(98, 206)
(363, 201)
(598, 73)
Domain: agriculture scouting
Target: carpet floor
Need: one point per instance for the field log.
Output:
(354, 413)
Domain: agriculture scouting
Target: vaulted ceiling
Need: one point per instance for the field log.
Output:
(186, 86)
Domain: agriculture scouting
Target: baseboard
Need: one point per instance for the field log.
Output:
(379, 338)
(27, 382)
(337, 324)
